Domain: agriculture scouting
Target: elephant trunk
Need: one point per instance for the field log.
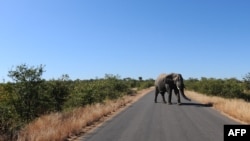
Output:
(183, 95)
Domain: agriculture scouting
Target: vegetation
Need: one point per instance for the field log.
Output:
(230, 96)
(227, 88)
(29, 96)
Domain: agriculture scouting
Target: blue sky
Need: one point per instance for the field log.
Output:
(90, 38)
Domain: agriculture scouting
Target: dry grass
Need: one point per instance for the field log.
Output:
(237, 109)
(60, 126)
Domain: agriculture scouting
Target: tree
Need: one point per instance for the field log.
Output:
(247, 81)
(60, 91)
(140, 78)
(26, 89)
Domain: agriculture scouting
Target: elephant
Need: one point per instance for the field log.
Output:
(168, 83)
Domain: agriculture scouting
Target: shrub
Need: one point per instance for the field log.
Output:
(247, 82)
(228, 88)
(145, 83)
(26, 91)
(29, 96)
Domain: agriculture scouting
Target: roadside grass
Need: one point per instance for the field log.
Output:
(237, 109)
(61, 126)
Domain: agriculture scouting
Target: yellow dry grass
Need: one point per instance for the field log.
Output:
(60, 126)
(237, 109)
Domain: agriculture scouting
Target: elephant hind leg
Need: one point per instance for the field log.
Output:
(163, 97)
(156, 94)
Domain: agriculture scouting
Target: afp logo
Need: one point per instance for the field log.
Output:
(236, 132)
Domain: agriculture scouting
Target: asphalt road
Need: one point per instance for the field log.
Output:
(149, 121)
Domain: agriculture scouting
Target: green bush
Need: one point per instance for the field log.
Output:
(94, 91)
(145, 83)
(58, 92)
(10, 122)
(228, 88)
(29, 96)
(246, 83)
(26, 91)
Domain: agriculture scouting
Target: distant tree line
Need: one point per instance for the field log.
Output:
(29, 96)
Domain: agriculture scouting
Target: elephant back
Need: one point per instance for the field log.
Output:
(160, 82)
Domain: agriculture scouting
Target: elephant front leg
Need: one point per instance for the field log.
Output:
(169, 97)
(178, 99)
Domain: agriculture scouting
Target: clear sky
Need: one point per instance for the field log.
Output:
(90, 38)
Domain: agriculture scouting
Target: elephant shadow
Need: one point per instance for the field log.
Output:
(197, 104)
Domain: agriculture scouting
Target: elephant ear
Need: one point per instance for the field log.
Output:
(169, 78)
(177, 77)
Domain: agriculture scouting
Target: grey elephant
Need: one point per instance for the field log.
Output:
(168, 83)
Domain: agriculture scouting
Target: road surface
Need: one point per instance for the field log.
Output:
(149, 121)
